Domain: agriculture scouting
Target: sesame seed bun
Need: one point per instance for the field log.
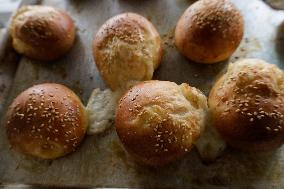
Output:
(46, 121)
(42, 32)
(127, 48)
(209, 31)
(247, 105)
(158, 121)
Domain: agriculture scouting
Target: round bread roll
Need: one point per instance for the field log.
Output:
(159, 121)
(46, 121)
(247, 105)
(127, 48)
(42, 32)
(209, 31)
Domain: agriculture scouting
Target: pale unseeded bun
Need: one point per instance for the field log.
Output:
(46, 121)
(247, 105)
(127, 48)
(42, 32)
(209, 31)
(159, 121)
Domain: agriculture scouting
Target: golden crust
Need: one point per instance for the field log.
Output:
(247, 105)
(209, 31)
(47, 121)
(42, 32)
(127, 48)
(158, 121)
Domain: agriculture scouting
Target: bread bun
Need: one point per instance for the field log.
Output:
(247, 105)
(47, 121)
(127, 48)
(158, 121)
(209, 31)
(42, 32)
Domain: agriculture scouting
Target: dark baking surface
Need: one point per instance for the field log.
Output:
(100, 161)
(277, 4)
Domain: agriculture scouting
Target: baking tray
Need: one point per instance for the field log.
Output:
(101, 161)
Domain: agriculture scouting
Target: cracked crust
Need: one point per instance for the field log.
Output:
(158, 121)
(247, 105)
(127, 48)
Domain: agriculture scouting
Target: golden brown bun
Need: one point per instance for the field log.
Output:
(47, 121)
(42, 32)
(247, 105)
(209, 31)
(127, 48)
(158, 121)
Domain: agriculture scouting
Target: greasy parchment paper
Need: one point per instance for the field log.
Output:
(101, 161)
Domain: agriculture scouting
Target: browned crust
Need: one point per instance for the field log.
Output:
(47, 121)
(249, 113)
(132, 29)
(209, 31)
(156, 138)
(42, 32)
